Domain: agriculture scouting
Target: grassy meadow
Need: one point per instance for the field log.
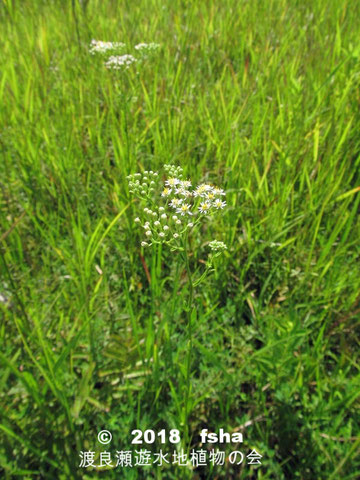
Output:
(258, 97)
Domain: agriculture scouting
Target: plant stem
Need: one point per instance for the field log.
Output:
(189, 331)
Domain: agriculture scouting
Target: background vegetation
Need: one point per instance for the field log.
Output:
(261, 98)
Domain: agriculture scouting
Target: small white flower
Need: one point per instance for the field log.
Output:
(178, 222)
(161, 209)
(176, 202)
(157, 223)
(185, 184)
(190, 225)
(161, 234)
(154, 214)
(218, 191)
(163, 216)
(144, 244)
(210, 195)
(205, 207)
(174, 217)
(184, 193)
(172, 182)
(219, 204)
(176, 235)
(202, 189)
(166, 192)
(137, 220)
(148, 233)
(166, 227)
(184, 209)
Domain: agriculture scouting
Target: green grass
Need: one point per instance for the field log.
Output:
(261, 98)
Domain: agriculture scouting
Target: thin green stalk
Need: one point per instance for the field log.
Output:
(189, 332)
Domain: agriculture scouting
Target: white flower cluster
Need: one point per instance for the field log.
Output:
(147, 46)
(209, 197)
(98, 46)
(216, 246)
(165, 223)
(146, 49)
(117, 62)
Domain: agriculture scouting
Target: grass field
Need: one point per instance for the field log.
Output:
(258, 97)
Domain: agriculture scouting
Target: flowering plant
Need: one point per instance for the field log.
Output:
(167, 216)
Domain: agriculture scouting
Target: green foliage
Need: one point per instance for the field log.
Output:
(263, 96)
